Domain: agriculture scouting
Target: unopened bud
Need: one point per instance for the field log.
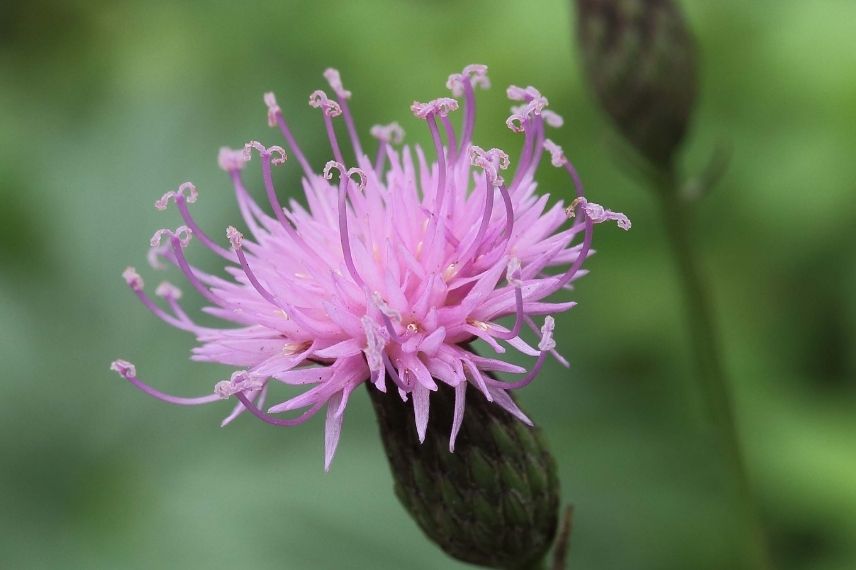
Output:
(493, 501)
(640, 59)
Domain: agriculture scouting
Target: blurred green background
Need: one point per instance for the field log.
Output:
(105, 105)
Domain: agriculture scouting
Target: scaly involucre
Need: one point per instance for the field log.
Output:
(389, 272)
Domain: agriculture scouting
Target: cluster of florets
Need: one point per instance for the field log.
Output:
(386, 275)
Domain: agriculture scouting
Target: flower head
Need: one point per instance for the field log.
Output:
(388, 273)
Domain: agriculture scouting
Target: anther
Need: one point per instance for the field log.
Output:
(343, 173)
(557, 155)
(552, 118)
(442, 106)
(475, 73)
(167, 290)
(597, 213)
(335, 80)
(187, 188)
(133, 279)
(235, 237)
(319, 100)
(384, 307)
(124, 368)
(547, 343)
(231, 160)
(182, 233)
(391, 133)
(273, 108)
(265, 151)
(490, 161)
(240, 382)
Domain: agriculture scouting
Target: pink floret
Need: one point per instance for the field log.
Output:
(388, 272)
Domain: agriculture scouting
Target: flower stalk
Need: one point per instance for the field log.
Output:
(678, 211)
(640, 59)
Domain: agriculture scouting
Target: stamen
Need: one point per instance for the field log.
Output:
(394, 374)
(463, 84)
(129, 372)
(451, 142)
(521, 115)
(236, 239)
(441, 166)
(527, 118)
(516, 122)
(545, 345)
(183, 234)
(475, 74)
(281, 422)
(559, 358)
(386, 134)
(587, 235)
(597, 213)
(167, 290)
(509, 213)
(178, 240)
(441, 106)
(133, 279)
(375, 345)
(342, 95)
(552, 118)
(265, 152)
(557, 155)
(470, 253)
(181, 202)
(335, 80)
(240, 381)
(231, 160)
(390, 134)
(344, 235)
(318, 99)
(513, 274)
(135, 282)
(187, 187)
(491, 162)
(273, 200)
(274, 109)
(528, 94)
(385, 308)
(275, 117)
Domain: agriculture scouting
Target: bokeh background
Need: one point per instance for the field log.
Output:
(105, 105)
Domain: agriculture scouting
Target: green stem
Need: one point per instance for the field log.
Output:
(677, 214)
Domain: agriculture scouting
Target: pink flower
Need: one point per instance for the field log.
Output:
(388, 272)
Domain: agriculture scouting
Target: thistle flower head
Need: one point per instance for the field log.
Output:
(388, 271)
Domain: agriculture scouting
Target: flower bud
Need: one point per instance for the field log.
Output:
(494, 500)
(640, 58)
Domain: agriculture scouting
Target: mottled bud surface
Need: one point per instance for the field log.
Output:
(494, 501)
(640, 59)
